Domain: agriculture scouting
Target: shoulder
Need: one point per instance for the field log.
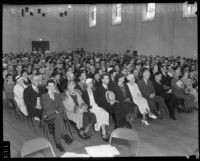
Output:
(140, 81)
(29, 88)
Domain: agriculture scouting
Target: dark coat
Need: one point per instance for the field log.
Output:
(30, 98)
(145, 89)
(101, 99)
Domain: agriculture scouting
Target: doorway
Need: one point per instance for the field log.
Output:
(40, 46)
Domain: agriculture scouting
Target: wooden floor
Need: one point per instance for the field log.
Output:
(162, 138)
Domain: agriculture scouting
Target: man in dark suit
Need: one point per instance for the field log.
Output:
(169, 97)
(148, 92)
(32, 97)
(100, 93)
(53, 111)
(165, 79)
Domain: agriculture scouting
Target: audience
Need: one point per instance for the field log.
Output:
(97, 86)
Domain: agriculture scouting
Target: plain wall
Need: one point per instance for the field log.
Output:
(169, 34)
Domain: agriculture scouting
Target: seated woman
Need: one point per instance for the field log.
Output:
(102, 116)
(9, 86)
(188, 85)
(137, 97)
(27, 81)
(128, 109)
(19, 95)
(77, 110)
(81, 83)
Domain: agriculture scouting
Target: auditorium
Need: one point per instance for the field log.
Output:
(97, 80)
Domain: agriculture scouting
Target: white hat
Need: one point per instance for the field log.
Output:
(110, 96)
(109, 69)
(130, 76)
(5, 65)
(18, 78)
(88, 80)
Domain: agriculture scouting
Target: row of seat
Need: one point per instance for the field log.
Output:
(38, 144)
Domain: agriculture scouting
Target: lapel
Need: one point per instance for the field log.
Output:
(87, 97)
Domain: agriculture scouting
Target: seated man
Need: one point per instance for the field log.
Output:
(53, 111)
(100, 93)
(77, 110)
(32, 97)
(167, 94)
(181, 93)
(148, 92)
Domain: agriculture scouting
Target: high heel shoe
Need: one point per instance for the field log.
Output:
(145, 122)
(105, 137)
(152, 116)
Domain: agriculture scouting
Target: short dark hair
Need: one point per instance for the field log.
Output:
(23, 71)
(51, 81)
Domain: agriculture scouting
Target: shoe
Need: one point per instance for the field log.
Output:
(83, 136)
(145, 122)
(59, 146)
(105, 138)
(36, 118)
(173, 117)
(152, 116)
(87, 135)
(68, 139)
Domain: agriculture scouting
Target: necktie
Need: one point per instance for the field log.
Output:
(36, 89)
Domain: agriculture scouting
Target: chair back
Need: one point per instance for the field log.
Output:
(126, 134)
(35, 145)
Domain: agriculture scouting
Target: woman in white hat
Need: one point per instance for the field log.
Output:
(101, 115)
(19, 95)
(139, 99)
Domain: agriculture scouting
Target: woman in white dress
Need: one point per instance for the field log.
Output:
(139, 99)
(102, 116)
(19, 95)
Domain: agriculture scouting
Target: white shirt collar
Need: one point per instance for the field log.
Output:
(106, 87)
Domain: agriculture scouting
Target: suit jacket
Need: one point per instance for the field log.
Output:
(166, 80)
(160, 91)
(50, 106)
(30, 98)
(100, 94)
(111, 84)
(146, 89)
(177, 91)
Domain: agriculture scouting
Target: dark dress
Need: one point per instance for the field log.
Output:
(124, 108)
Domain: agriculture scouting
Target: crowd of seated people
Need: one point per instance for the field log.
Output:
(90, 88)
